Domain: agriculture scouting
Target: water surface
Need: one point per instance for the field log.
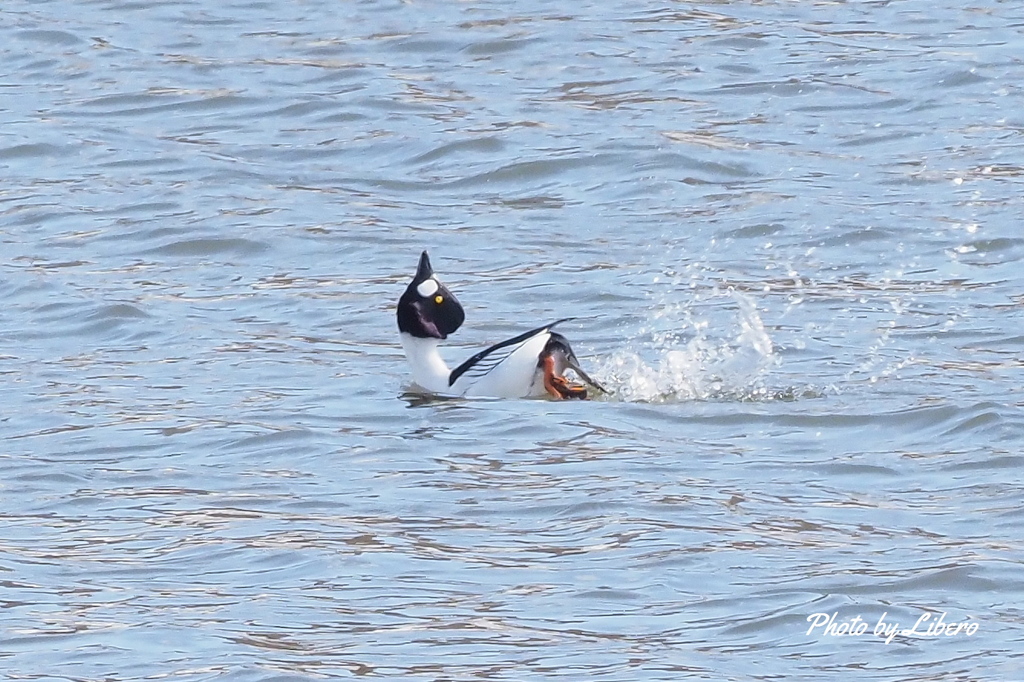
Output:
(789, 233)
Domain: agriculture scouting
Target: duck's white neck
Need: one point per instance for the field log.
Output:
(429, 370)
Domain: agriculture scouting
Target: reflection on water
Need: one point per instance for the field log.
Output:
(787, 234)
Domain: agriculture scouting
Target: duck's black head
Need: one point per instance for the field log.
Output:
(427, 310)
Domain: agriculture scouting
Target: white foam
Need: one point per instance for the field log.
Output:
(688, 359)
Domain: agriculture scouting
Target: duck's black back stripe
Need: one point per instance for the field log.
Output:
(486, 360)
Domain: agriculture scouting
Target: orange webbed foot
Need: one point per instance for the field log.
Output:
(559, 387)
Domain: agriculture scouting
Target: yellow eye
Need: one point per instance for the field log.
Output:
(439, 299)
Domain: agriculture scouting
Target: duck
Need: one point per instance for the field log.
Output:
(530, 365)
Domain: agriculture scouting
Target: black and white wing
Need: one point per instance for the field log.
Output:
(506, 369)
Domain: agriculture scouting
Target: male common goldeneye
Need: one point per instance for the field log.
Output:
(531, 364)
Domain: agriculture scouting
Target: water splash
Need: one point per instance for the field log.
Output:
(715, 348)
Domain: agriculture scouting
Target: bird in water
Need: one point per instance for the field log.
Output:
(532, 364)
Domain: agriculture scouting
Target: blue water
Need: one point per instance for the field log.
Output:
(789, 234)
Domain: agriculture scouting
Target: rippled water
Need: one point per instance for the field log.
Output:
(790, 234)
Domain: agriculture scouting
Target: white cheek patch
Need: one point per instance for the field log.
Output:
(427, 287)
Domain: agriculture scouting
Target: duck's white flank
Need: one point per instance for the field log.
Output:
(506, 372)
